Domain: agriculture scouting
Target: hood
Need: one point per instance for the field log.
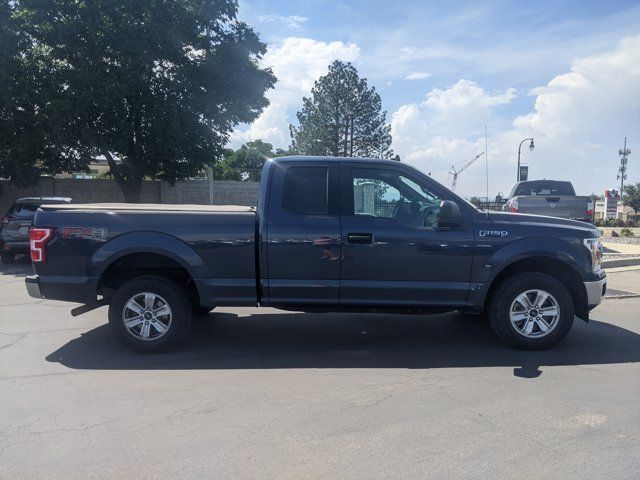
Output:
(542, 220)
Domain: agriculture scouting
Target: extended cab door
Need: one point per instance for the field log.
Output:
(394, 253)
(303, 234)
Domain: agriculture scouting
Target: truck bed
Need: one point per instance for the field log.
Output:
(214, 244)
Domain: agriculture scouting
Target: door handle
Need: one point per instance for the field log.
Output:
(360, 238)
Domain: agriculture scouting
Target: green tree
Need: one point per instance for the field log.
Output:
(154, 86)
(30, 132)
(475, 201)
(339, 100)
(631, 196)
(244, 163)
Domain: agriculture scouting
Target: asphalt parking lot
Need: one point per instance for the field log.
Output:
(268, 394)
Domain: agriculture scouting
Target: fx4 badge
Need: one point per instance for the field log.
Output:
(92, 233)
(493, 233)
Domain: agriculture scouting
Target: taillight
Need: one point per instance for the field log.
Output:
(38, 238)
(513, 206)
(590, 209)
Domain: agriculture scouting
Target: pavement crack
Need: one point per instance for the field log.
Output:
(20, 337)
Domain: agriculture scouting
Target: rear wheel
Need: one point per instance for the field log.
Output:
(8, 257)
(150, 314)
(531, 311)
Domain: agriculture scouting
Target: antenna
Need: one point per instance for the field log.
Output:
(455, 172)
(622, 170)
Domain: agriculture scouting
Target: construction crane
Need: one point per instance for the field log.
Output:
(455, 172)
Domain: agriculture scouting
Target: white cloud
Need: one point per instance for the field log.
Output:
(578, 121)
(462, 109)
(599, 87)
(297, 63)
(291, 21)
(465, 94)
(417, 76)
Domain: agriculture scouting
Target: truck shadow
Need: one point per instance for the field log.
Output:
(297, 340)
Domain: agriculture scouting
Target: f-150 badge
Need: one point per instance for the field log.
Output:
(92, 233)
(493, 233)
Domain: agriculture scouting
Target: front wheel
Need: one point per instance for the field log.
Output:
(150, 314)
(532, 311)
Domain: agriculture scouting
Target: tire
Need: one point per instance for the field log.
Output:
(158, 312)
(515, 318)
(8, 258)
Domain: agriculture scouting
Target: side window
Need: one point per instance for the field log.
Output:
(305, 190)
(385, 193)
(374, 197)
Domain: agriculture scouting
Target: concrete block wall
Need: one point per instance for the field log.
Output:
(101, 191)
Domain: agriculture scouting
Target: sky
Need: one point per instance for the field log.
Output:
(566, 73)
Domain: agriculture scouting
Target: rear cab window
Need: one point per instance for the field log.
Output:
(545, 187)
(23, 210)
(306, 190)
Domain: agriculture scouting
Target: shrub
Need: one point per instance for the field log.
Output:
(625, 232)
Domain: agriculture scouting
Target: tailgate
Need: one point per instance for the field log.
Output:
(554, 206)
(16, 230)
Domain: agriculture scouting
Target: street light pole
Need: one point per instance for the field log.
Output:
(531, 146)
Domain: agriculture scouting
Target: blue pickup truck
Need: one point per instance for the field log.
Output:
(328, 234)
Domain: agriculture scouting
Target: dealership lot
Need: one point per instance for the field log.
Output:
(269, 394)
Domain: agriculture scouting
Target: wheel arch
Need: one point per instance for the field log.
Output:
(144, 253)
(553, 266)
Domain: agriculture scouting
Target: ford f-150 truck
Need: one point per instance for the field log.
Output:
(328, 234)
(549, 197)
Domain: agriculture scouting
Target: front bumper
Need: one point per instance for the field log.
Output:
(595, 291)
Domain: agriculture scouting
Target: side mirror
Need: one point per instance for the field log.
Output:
(449, 215)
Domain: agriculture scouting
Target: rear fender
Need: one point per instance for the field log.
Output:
(146, 242)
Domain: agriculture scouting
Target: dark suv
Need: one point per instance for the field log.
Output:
(14, 229)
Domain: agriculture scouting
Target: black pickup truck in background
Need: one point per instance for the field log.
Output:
(329, 234)
(15, 225)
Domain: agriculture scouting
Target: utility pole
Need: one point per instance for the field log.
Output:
(622, 170)
(351, 135)
(486, 160)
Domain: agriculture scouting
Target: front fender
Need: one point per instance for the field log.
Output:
(548, 247)
(146, 242)
(488, 267)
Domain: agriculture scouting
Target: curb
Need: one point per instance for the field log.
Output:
(622, 262)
